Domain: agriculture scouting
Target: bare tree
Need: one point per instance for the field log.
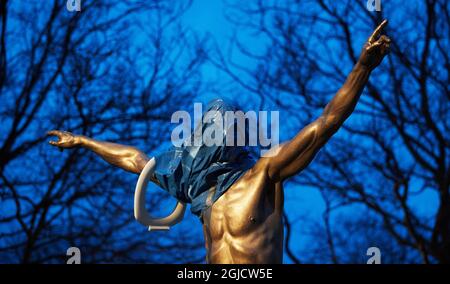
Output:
(115, 70)
(393, 156)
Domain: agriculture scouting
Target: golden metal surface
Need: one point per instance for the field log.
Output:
(245, 224)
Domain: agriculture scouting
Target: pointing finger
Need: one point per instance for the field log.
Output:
(377, 32)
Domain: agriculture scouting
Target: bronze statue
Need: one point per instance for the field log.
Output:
(245, 224)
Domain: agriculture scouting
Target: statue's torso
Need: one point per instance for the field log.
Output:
(245, 224)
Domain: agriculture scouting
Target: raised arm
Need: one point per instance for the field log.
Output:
(125, 157)
(293, 156)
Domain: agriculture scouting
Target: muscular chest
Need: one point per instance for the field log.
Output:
(251, 205)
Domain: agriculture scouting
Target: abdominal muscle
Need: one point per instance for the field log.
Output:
(245, 224)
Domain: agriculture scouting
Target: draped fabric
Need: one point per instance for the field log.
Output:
(189, 172)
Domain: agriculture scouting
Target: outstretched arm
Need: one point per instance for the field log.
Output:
(125, 157)
(292, 157)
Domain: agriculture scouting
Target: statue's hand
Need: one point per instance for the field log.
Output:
(376, 48)
(65, 139)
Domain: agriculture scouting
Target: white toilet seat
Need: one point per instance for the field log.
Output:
(140, 212)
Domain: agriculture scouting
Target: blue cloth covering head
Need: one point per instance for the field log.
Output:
(189, 172)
